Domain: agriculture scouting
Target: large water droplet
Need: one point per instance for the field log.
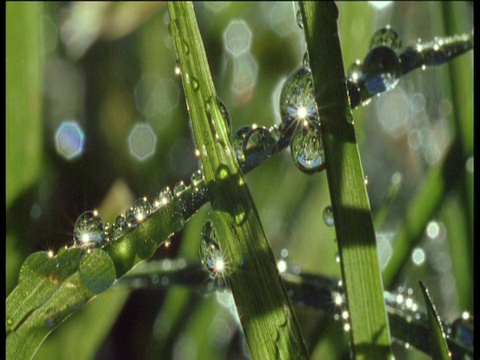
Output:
(88, 229)
(258, 145)
(210, 252)
(328, 216)
(142, 208)
(386, 37)
(297, 101)
(381, 70)
(307, 149)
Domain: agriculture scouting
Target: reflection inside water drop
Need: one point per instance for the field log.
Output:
(307, 150)
(210, 252)
(88, 229)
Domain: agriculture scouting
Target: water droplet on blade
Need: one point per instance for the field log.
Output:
(386, 37)
(225, 115)
(307, 150)
(258, 145)
(88, 229)
(119, 227)
(142, 208)
(328, 216)
(297, 102)
(210, 252)
(299, 19)
(179, 188)
(164, 198)
(381, 70)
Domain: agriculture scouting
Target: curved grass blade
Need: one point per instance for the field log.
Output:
(438, 344)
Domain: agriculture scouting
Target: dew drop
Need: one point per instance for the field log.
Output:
(386, 37)
(354, 92)
(297, 101)
(120, 226)
(306, 62)
(225, 114)
(164, 198)
(197, 177)
(179, 188)
(108, 232)
(210, 252)
(186, 48)
(299, 19)
(142, 208)
(237, 142)
(195, 84)
(461, 330)
(177, 70)
(355, 71)
(88, 229)
(307, 150)
(131, 219)
(381, 70)
(328, 216)
(258, 145)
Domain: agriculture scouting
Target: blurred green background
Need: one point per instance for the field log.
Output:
(96, 118)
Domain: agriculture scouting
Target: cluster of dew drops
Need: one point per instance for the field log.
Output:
(90, 231)
(253, 144)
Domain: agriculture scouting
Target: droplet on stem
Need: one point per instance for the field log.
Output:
(88, 229)
(381, 70)
(299, 19)
(386, 37)
(297, 102)
(210, 252)
(307, 150)
(328, 216)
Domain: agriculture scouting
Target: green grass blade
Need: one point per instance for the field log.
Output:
(23, 96)
(351, 208)
(440, 179)
(51, 289)
(438, 344)
(268, 321)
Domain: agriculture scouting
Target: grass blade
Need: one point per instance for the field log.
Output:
(438, 344)
(351, 208)
(268, 321)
